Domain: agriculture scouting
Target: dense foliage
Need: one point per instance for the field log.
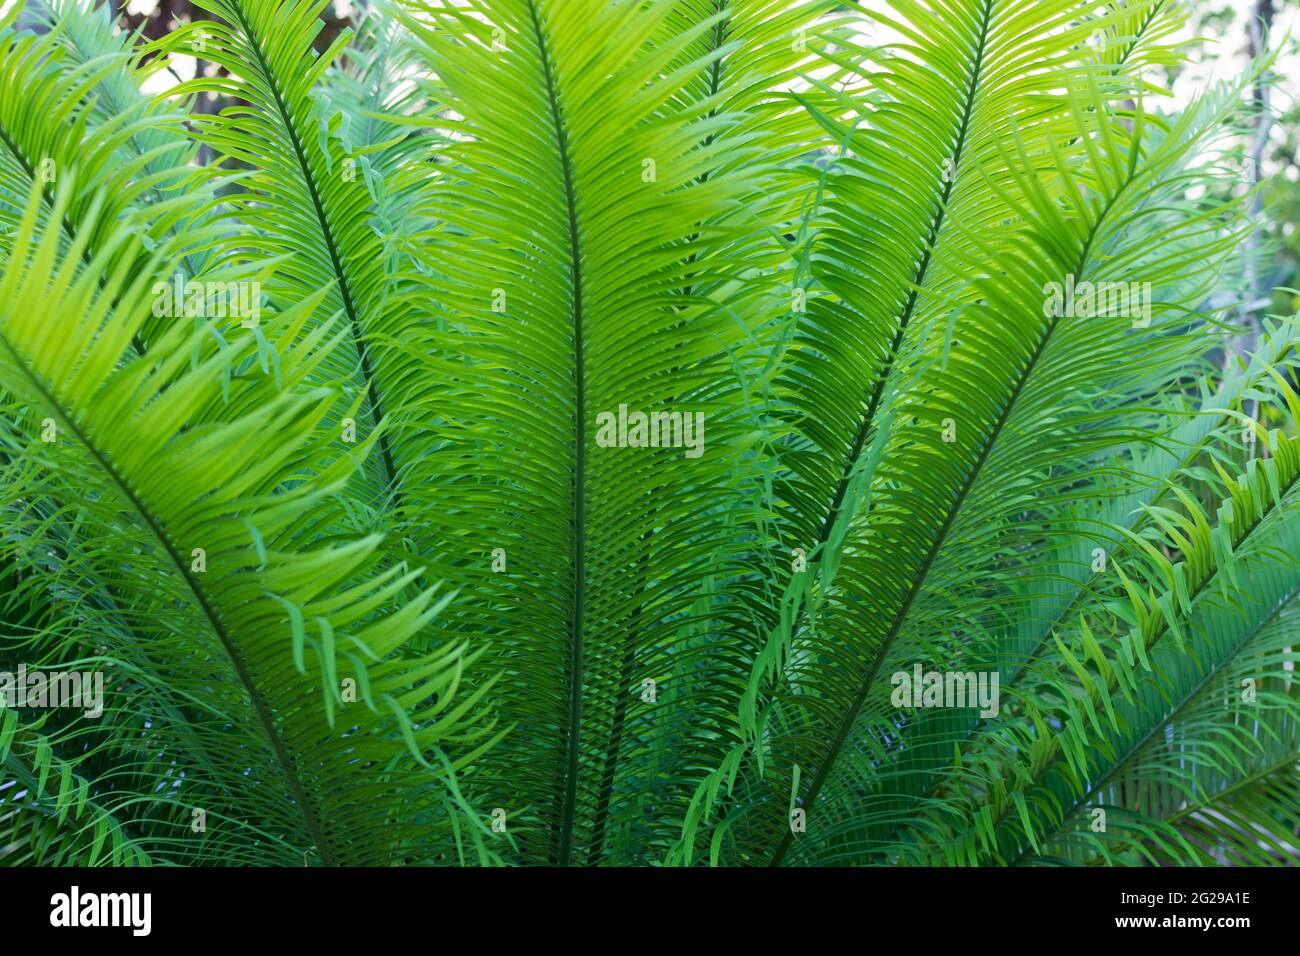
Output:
(541, 431)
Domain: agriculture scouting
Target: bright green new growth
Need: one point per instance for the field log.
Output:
(366, 582)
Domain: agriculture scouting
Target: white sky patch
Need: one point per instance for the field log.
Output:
(182, 65)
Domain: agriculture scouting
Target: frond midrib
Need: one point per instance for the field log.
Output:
(918, 579)
(909, 307)
(1194, 594)
(1169, 718)
(568, 799)
(200, 595)
(864, 429)
(1084, 590)
(327, 233)
(722, 10)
